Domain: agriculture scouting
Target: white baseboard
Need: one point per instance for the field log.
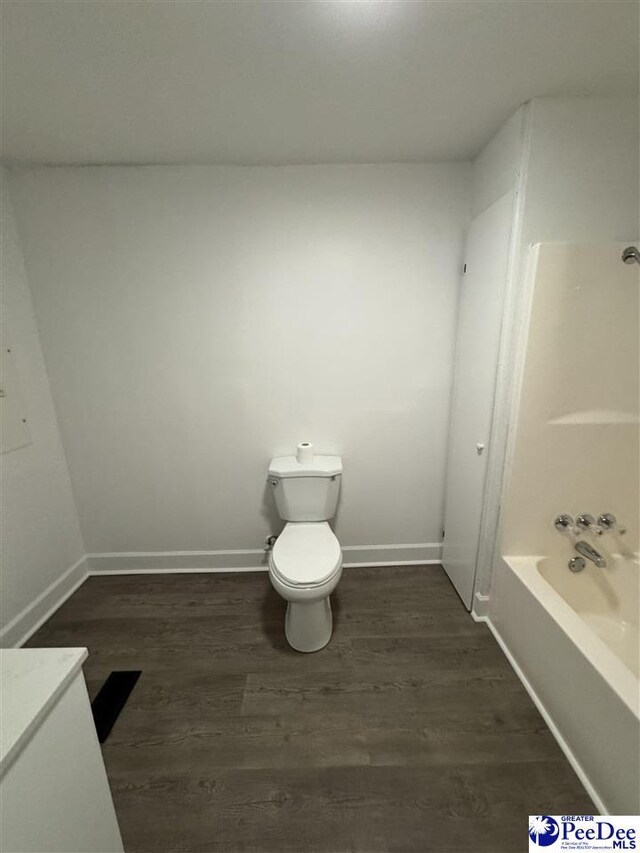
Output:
(391, 555)
(26, 623)
(480, 607)
(555, 731)
(159, 562)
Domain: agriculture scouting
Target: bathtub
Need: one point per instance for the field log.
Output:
(573, 640)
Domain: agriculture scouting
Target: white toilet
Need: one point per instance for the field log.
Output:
(306, 561)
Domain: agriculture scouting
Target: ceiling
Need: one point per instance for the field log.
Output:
(309, 81)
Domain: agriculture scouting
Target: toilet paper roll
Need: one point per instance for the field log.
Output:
(304, 453)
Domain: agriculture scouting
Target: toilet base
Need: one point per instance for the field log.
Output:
(308, 625)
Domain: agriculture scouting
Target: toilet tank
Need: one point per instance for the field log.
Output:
(305, 491)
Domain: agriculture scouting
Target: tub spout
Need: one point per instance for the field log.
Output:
(590, 553)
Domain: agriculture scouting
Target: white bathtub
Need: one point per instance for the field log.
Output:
(573, 638)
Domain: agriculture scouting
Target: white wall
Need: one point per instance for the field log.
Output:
(198, 320)
(40, 532)
(496, 169)
(582, 181)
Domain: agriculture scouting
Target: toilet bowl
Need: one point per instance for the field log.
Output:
(306, 561)
(305, 566)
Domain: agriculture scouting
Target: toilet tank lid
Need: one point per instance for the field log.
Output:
(320, 466)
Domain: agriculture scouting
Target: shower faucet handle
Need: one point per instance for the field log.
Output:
(587, 522)
(564, 523)
(607, 521)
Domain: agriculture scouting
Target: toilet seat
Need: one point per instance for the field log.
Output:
(306, 554)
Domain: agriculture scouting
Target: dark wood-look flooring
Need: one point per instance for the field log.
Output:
(409, 732)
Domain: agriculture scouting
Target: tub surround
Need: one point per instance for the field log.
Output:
(573, 637)
(577, 436)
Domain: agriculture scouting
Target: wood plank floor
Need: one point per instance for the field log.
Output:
(409, 732)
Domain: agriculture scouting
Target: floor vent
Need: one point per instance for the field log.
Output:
(111, 699)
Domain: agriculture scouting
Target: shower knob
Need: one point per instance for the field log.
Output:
(587, 522)
(563, 523)
(607, 521)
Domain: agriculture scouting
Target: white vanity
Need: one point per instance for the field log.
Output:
(54, 793)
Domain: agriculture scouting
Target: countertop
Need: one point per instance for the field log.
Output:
(31, 682)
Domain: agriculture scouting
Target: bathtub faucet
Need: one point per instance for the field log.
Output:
(590, 553)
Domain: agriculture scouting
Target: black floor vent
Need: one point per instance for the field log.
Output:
(111, 699)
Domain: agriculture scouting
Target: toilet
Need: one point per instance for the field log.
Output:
(305, 563)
